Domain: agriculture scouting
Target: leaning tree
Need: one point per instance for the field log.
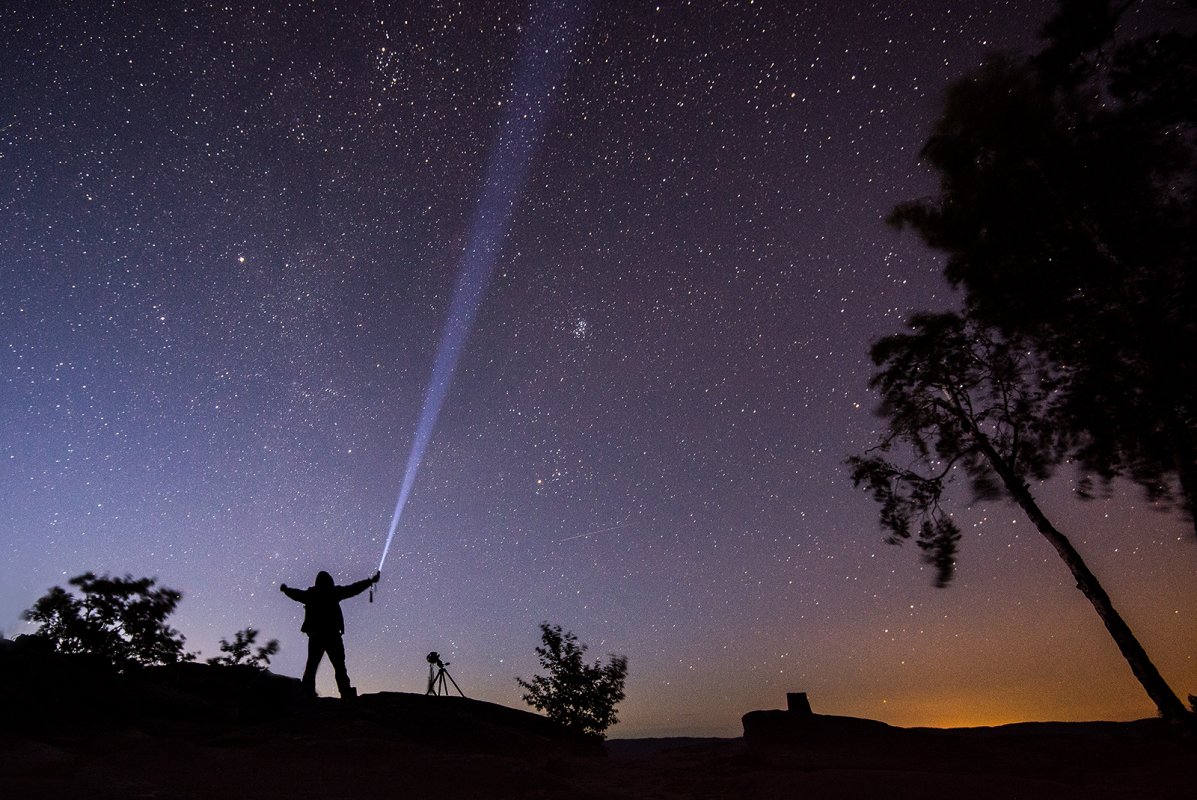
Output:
(963, 400)
(1067, 210)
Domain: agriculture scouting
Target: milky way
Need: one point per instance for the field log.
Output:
(229, 239)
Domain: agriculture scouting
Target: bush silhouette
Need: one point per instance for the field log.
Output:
(240, 650)
(119, 620)
(580, 696)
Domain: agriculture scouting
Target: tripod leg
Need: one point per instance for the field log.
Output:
(455, 686)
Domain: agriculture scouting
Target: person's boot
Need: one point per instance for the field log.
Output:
(349, 693)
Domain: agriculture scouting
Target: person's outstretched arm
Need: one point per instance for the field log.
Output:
(298, 595)
(359, 587)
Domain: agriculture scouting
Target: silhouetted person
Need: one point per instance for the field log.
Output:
(324, 624)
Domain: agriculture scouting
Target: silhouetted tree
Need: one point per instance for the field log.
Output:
(580, 696)
(241, 650)
(1068, 214)
(962, 399)
(120, 620)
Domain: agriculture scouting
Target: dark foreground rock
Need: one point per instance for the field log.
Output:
(1145, 758)
(55, 697)
(72, 729)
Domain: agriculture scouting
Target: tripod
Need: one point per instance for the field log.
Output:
(437, 675)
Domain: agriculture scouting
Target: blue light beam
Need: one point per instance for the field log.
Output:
(543, 60)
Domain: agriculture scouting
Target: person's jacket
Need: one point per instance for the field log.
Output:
(322, 604)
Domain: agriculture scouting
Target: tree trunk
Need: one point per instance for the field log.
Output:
(1169, 705)
(1186, 470)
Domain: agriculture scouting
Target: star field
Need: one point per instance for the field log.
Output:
(229, 235)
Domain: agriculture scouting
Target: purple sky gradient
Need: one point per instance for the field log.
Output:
(228, 244)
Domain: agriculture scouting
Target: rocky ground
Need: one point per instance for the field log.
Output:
(195, 731)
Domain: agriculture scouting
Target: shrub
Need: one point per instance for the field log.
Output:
(240, 650)
(580, 696)
(120, 620)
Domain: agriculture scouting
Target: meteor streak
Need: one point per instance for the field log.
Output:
(612, 529)
(543, 60)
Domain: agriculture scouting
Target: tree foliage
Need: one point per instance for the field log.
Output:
(955, 394)
(961, 398)
(241, 650)
(119, 620)
(580, 696)
(1067, 212)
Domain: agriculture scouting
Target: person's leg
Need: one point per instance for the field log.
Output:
(336, 654)
(315, 653)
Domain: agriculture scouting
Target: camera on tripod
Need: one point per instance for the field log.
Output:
(437, 675)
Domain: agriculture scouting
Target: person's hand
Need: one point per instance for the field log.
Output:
(377, 576)
(282, 588)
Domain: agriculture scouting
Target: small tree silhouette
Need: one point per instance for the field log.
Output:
(580, 696)
(120, 620)
(240, 650)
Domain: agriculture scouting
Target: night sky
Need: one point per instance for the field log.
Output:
(229, 238)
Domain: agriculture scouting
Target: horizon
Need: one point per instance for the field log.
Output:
(231, 247)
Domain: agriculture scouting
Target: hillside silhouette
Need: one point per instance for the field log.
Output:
(72, 726)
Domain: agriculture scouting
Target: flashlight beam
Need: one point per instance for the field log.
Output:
(544, 57)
